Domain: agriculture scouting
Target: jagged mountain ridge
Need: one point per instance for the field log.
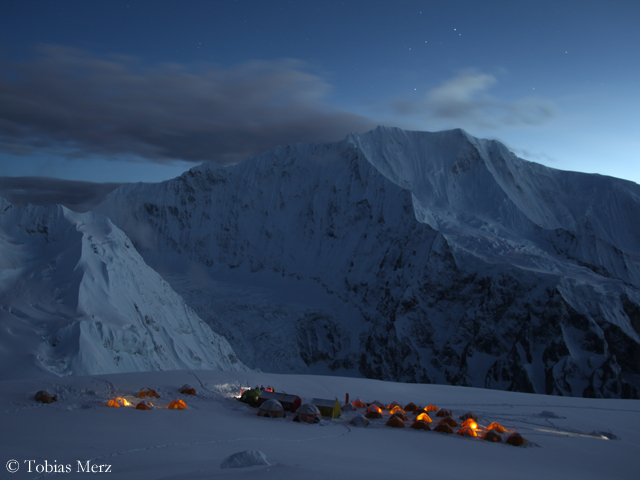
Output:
(77, 299)
(463, 263)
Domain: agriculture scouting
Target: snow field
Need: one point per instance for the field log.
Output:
(192, 443)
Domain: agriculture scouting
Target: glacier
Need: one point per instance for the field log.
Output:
(76, 298)
(406, 256)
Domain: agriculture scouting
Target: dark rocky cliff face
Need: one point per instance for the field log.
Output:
(413, 303)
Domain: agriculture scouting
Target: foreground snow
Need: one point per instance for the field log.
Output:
(569, 437)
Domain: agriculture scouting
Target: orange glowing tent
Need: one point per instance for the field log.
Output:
(467, 432)
(147, 392)
(144, 405)
(177, 405)
(393, 404)
(397, 409)
(358, 403)
(497, 427)
(374, 408)
(431, 408)
(424, 417)
(118, 402)
(395, 422)
(401, 416)
(470, 422)
(378, 404)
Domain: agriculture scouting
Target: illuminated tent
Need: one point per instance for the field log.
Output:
(393, 404)
(467, 432)
(420, 425)
(431, 408)
(188, 390)
(424, 417)
(118, 402)
(396, 409)
(358, 403)
(378, 404)
(497, 427)
(401, 416)
(289, 402)
(177, 405)
(328, 408)
(395, 422)
(491, 436)
(271, 409)
(147, 392)
(144, 405)
(516, 440)
(359, 421)
(470, 422)
(308, 413)
(374, 408)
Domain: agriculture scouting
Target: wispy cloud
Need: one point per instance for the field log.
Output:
(465, 101)
(76, 195)
(82, 104)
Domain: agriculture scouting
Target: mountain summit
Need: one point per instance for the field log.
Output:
(411, 256)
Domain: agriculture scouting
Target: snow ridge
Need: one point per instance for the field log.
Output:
(78, 299)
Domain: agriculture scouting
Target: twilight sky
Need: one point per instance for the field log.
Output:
(116, 91)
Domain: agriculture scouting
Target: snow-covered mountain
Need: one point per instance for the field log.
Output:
(411, 256)
(76, 298)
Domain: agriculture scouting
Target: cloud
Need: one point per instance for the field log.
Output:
(73, 102)
(464, 100)
(77, 195)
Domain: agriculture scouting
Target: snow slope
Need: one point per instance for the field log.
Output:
(76, 299)
(569, 438)
(412, 256)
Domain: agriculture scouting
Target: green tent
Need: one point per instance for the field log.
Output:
(251, 397)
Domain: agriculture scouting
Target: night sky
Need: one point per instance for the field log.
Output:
(114, 91)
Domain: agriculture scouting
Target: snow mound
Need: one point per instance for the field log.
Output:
(248, 458)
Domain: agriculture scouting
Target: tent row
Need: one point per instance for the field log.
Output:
(275, 405)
